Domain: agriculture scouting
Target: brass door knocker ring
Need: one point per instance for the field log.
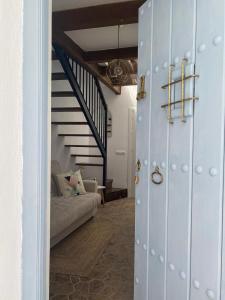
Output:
(157, 177)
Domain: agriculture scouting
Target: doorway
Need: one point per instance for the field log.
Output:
(93, 134)
(209, 284)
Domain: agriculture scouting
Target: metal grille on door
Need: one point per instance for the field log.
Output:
(183, 87)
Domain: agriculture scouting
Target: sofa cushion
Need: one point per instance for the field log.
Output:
(67, 210)
(90, 186)
(55, 169)
(54, 187)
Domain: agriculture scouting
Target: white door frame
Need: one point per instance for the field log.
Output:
(36, 150)
(131, 144)
(36, 145)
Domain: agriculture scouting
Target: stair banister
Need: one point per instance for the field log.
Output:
(88, 92)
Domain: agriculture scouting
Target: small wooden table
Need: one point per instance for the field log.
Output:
(101, 189)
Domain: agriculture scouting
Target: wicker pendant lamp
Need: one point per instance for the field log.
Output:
(118, 69)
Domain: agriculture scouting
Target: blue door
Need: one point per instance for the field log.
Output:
(180, 151)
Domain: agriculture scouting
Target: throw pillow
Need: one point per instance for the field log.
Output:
(71, 184)
(72, 181)
(64, 187)
(80, 185)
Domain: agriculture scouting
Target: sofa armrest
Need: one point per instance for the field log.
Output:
(90, 186)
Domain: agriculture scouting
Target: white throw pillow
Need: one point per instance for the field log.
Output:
(80, 185)
(65, 186)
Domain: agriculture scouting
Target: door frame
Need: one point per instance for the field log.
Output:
(36, 148)
(132, 111)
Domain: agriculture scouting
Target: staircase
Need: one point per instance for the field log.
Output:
(80, 111)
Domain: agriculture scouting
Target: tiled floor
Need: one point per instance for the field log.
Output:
(111, 277)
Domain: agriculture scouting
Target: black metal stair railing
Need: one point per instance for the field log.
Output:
(88, 93)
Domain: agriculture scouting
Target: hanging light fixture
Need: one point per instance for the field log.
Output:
(118, 69)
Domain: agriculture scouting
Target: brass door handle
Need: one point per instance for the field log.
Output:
(184, 61)
(169, 94)
(157, 177)
(141, 94)
(136, 179)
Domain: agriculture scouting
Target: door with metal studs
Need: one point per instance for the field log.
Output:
(179, 243)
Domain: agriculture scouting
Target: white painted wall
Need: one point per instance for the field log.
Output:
(11, 148)
(60, 152)
(119, 107)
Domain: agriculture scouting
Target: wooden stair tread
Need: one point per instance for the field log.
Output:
(89, 164)
(115, 194)
(114, 190)
(82, 146)
(85, 155)
(75, 134)
(66, 109)
(59, 76)
(63, 94)
(68, 123)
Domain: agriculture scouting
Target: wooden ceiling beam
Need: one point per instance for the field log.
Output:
(97, 16)
(61, 39)
(110, 54)
(69, 45)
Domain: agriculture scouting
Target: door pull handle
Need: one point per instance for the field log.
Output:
(141, 94)
(184, 61)
(136, 179)
(171, 67)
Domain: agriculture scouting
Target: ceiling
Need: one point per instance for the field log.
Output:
(92, 40)
(105, 37)
(70, 4)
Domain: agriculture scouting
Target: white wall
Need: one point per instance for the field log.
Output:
(59, 152)
(119, 106)
(11, 148)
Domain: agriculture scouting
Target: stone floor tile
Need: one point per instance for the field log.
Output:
(95, 286)
(111, 278)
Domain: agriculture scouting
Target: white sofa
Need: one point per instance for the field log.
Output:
(69, 213)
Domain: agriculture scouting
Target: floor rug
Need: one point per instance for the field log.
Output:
(80, 251)
(96, 261)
